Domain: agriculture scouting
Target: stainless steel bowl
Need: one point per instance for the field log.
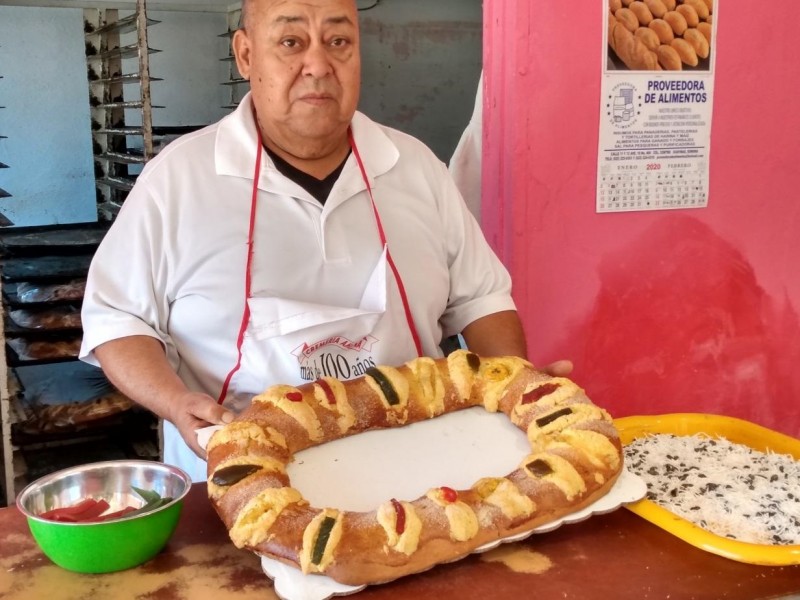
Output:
(111, 480)
(101, 547)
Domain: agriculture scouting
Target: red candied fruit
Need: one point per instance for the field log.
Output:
(540, 392)
(449, 494)
(400, 523)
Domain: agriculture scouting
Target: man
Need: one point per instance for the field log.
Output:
(294, 239)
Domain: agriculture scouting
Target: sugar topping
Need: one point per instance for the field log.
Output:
(726, 488)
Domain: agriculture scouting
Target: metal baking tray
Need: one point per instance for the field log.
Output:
(12, 298)
(46, 268)
(14, 359)
(734, 430)
(74, 238)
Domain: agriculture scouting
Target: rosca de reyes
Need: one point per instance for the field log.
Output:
(575, 456)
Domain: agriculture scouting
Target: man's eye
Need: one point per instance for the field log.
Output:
(339, 42)
(290, 43)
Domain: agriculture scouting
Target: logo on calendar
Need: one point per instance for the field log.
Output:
(623, 105)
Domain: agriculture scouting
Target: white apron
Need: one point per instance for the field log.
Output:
(291, 342)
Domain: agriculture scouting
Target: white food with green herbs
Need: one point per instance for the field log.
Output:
(728, 489)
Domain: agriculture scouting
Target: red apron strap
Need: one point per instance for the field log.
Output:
(247, 277)
(409, 317)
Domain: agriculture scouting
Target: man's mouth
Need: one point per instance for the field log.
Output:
(316, 98)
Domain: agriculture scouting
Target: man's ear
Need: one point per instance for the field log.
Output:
(241, 49)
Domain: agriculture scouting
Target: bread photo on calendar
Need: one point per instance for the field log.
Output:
(660, 35)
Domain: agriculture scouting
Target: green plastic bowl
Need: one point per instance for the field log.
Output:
(106, 546)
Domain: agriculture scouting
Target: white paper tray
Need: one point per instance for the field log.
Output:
(292, 584)
(455, 450)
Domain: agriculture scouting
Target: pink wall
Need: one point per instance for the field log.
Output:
(690, 310)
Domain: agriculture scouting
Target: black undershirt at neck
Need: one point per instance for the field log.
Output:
(319, 188)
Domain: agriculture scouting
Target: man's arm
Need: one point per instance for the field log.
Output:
(138, 367)
(501, 334)
(498, 334)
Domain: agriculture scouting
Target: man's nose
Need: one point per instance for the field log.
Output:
(316, 61)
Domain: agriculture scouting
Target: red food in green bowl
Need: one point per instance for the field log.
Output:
(90, 543)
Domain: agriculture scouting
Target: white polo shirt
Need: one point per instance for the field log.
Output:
(173, 264)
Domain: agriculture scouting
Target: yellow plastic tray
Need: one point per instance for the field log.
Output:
(734, 430)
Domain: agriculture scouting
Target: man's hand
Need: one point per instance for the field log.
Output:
(138, 367)
(560, 368)
(501, 334)
(192, 411)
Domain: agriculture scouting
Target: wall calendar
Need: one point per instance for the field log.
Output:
(656, 104)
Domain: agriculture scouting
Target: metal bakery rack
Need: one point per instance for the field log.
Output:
(236, 84)
(56, 410)
(119, 148)
(4, 222)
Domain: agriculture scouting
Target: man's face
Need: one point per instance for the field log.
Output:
(303, 62)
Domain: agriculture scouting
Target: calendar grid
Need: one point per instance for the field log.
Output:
(633, 187)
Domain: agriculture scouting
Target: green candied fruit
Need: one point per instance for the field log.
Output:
(233, 474)
(386, 386)
(553, 416)
(539, 468)
(322, 539)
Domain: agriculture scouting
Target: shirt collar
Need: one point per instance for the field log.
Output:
(235, 147)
